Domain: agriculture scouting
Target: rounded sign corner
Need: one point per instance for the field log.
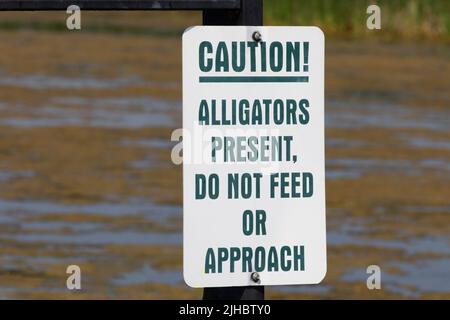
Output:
(189, 283)
(189, 30)
(322, 275)
(319, 31)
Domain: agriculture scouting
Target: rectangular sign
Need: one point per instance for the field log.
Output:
(253, 156)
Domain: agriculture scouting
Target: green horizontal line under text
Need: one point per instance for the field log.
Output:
(253, 79)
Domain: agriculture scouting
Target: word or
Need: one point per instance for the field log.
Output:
(254, 223)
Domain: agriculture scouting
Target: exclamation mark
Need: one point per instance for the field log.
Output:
(305, 56)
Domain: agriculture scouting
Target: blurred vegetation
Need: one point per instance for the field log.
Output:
(412, 19)
(400, 19)
(145, 23)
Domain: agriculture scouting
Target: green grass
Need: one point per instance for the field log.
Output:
(58, 26)
(399, 18)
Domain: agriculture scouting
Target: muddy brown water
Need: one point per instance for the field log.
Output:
(86, 176)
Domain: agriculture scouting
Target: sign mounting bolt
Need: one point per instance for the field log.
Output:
(255, 277)
(257, 36)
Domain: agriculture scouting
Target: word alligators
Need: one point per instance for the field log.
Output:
(225, 112)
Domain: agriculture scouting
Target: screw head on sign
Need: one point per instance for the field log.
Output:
(257, 36)
(255, 277)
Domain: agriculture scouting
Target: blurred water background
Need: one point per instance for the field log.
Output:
(85, 171)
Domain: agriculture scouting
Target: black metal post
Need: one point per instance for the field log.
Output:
(39, 5)
(249, 14)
